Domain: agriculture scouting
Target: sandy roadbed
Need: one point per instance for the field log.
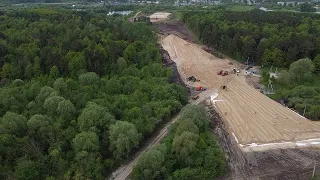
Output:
(252, 117)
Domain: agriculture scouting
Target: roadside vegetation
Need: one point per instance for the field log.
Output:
(78, 93)
(190, 151)
(289, 41)
(299, 87)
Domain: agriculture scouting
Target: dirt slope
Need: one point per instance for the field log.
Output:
(250, 115)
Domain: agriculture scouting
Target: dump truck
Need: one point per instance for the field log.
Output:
(200, 88)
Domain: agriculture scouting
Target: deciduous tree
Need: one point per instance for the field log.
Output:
(301, 70)
(123, 138)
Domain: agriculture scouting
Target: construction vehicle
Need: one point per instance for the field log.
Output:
(195, 97)
(235, 71)
(249, 67)
(192, 79)
(200, 88)
(224, 87)
(225, 73)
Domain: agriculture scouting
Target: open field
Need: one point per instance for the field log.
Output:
(252, 117)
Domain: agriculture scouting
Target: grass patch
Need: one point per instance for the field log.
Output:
(240, 8)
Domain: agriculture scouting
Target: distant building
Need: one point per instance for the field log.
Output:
(293, 3)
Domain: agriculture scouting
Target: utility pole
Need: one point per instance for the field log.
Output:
(314, 167)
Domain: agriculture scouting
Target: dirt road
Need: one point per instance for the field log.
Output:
(252, 117)
(124, 171)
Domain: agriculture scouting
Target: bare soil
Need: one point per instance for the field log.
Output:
(242, 111)
(174, 27)
(275, 123)
(159, 16)
(253, 81)
(284, 164)
(250, 115)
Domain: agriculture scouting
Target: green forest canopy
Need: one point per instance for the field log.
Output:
(190, 151)
(267, 38)
(79, 92)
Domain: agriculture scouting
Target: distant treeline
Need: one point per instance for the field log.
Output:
(49, 1)
(268, 38)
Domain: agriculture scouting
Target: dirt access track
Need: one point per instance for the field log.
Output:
(257, 122)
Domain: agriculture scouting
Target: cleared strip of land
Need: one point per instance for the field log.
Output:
(159, 16)
(250, 115)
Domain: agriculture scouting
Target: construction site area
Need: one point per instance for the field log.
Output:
(253, 118)
(262, 138)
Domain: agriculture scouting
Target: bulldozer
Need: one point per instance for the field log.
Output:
(193, 79)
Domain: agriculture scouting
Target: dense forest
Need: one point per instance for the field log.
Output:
(79, 92)
(266, 38)
(190, 151)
